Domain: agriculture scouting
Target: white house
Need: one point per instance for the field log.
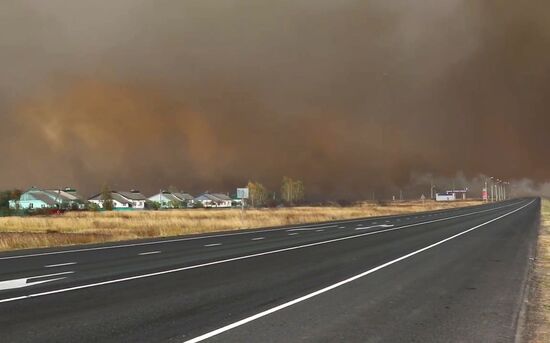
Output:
(122, 200)
(168, 199)
(36, 198)
(217, 200)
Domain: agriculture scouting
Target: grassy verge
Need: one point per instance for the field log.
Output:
(96, 227)
(538, 316)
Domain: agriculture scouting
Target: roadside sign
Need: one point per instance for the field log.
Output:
(484, 194)
(242, 193)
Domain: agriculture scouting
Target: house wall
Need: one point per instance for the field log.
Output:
(32, 204)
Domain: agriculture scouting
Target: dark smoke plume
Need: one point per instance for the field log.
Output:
(353, 97)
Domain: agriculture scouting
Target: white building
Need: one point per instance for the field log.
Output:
(445, 197)
(217, 200)
(168, 199)
(122, 200)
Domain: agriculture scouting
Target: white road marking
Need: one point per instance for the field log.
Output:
(149, 253)
(342, 227)
(371, 227)
(312, 228)
(24, 282)
(212, 245)
(119, 246)
(341, 283)
(59, 265)
(320, 230)
(257, 238)
(293, 233)
(271, 252)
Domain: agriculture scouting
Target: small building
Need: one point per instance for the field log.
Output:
(35, 198)
(218, 200)
(167, 199)
(445, 197)
(132, 200)
(452, 195)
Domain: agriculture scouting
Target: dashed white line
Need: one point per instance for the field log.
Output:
(342, 227)
(239, 258)
(149, 253)
(257, 238)
(312, 228)
(293, 233)
(59, 265)
(320, 230)
(212, 245)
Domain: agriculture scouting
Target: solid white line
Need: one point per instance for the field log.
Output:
(341, 283)
(257, 238)
(212, 245)
(271, 252)
(197, 238)
(59, 265)
(149, 253)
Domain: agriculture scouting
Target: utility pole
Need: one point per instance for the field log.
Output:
(492, 191)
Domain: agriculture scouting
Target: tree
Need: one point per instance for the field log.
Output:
(257, 194)
(5, 197)
(107, 198)
(292, 191)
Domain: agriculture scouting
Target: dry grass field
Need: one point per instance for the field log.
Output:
(94, 227)
(539, 312)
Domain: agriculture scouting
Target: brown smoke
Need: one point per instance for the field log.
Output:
(353, 97)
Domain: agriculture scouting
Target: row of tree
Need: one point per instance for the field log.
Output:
(292, 192)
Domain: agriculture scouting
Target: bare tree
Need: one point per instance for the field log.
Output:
(292, 191)
(257, 193)
(106, 198)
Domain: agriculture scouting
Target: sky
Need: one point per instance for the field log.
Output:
(352, 97)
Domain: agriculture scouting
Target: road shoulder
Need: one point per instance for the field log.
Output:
(536, 319)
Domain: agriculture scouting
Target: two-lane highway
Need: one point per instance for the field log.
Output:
(455, 275)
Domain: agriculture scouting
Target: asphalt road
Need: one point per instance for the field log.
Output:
(445, 276)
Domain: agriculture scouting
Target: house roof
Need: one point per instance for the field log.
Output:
(184, 196)
(64, 195)
(44, 197)
(117, 196)
(121, 199)
(213, 197)
(134, 195)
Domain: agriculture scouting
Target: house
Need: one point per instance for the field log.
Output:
(168, 199)
(218, 200)
(36, 198)
(185, 197)
(122, 200)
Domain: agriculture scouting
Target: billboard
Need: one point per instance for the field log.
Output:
(242, 193)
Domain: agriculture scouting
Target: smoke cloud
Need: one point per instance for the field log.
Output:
(353, 97)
